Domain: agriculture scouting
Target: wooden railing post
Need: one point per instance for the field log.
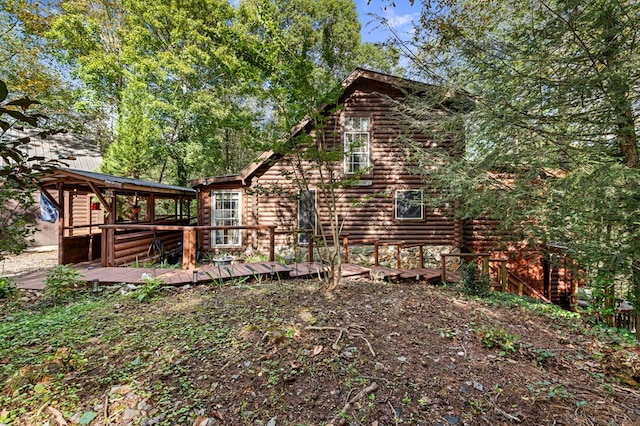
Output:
(310, 239)
(345, 244)
(421, 251)
(376, 257)
(520, 288)
(188, 248)
(504, 277)
(399, 253)
(272, 243)
(485, 266)
(443, 260)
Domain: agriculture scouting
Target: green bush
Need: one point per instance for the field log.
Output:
(473, 282)
(8, 289)
(61, 281)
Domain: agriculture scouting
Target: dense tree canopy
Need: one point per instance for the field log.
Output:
(552, 143)
(215, 78)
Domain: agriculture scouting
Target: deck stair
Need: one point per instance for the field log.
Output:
(429, 275)
(385, 273)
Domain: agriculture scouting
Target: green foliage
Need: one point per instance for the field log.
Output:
(496, 337)
(8, 289)
(473, 282)
(547, 390)
(18, 171)
(543, 356)
(131, 154)
(150, 287)
(551, 143)
(61, 282)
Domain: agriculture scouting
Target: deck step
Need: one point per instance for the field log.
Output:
(384, 273)
(305, 269)
(422, 274)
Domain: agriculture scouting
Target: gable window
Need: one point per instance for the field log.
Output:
(356, 144)
(226, 211)
(306, 214)
(409, 204)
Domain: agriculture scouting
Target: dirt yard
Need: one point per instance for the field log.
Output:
(284, 353)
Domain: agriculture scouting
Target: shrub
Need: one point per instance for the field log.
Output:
(8, 289)
(496, 337)
(61, 281)
(472, 281)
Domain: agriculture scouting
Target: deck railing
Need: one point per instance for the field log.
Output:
(189, 240)
(377, 243)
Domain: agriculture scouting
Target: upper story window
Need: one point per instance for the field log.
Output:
(356, 144)
(409, 204)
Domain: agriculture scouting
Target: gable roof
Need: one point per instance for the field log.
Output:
(267, 159)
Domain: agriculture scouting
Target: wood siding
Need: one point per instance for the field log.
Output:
(130, 246)
(367, 209)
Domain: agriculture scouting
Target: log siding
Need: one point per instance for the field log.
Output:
(366, 208)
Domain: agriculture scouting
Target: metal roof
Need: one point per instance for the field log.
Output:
(82, 177)
(56, 145)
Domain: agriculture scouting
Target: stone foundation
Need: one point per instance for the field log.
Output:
(364, 255)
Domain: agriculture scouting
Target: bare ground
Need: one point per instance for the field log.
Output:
(372, 353)
(34, 259)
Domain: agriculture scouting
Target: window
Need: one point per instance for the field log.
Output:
(356, 144)
(306, 214)
(225, 211)
(409, 204)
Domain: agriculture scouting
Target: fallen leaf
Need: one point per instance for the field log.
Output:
(317, 349)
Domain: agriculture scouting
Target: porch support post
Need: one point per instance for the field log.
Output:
(188, 248)
(61, 219)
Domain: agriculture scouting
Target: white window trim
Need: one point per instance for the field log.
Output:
(213, 217)
(395, 204)
(365, 149)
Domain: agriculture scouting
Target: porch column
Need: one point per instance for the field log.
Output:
(188, 248)
(61, 219)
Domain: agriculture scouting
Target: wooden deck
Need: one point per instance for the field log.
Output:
(207, 273)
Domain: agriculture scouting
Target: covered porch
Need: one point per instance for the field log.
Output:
(85, 201)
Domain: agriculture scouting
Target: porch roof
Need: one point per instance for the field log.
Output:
(90, 181)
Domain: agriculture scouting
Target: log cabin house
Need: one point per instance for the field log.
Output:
(384, 204)
(385, 200)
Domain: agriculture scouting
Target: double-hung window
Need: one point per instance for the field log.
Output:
(356, 144)
(226, 211)
(409, 204)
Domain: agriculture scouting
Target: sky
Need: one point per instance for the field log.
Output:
(399, 17)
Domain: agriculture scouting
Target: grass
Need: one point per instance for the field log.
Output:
(117, 340)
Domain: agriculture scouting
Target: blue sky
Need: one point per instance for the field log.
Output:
(399, 17)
